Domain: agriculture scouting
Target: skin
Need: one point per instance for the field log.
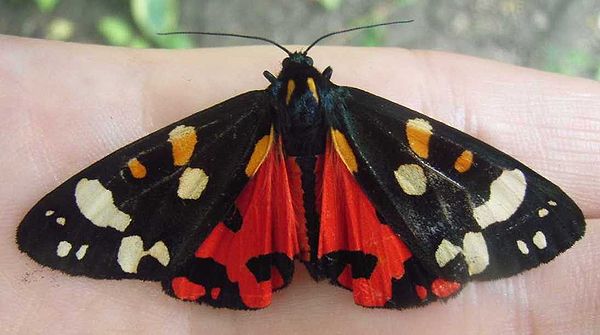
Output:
(65, 106)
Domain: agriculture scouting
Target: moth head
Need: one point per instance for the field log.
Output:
(298, 58)
(300, 82)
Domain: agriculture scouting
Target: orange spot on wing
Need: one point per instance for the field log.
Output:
(137, 169)
(261, 149)
(291, 86)
(418, 133)
(183, 139)
(184, 289)
(349, 223)
(464, 162)
(344, 150)
(310, 82)
(444, 288)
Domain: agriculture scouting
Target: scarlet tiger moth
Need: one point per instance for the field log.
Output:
(399, 208)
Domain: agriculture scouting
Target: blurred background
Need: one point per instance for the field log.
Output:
(554, 35)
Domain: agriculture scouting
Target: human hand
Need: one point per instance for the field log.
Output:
(67, 105)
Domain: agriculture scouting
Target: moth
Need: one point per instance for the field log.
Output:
(372, 196)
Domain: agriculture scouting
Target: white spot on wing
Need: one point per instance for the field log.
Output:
(81, 252)
(446, 252)
(63, 248)
(132, 250)
(411, 178)
(61, 221)
(522, 247)
(552, 203)
(542, 212)
(539, 239)
(475, 252)
(49, 212)
(191, 183)
(96, 203)
(506, 195)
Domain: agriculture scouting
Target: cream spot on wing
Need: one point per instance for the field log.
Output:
(446, 252)
(411, 178)
(552, 203)
(192, 183)
(63, 248)
(506, 195)
(49, 213)
(539, 239)
(475, 252)
(183, 140)
(61, 221)
(132, 250)
(542, 212)
(81, 251)
(96, 203)
(522, 247)
(418, 132)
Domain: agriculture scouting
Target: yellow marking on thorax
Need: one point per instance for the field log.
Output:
(343, 149)
(137, 169)
(464, 162)
(291, 86)
(312, 87)
(183, 139)
(261, 149)
(418, 132)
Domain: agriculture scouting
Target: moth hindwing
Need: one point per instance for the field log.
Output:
(398, 208)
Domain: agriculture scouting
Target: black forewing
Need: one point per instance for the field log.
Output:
(376, 131)
(226, 134)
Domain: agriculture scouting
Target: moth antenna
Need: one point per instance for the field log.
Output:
(228, 35)
(353, 29)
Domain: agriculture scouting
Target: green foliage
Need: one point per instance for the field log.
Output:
(572, 62)
(403, 3)
(372, 38)
(115, 30)
(155, 16)
(60, 29)
(138, 42)
(331, 4)
(46, 6)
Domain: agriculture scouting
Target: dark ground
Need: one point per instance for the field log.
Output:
(554, 35)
